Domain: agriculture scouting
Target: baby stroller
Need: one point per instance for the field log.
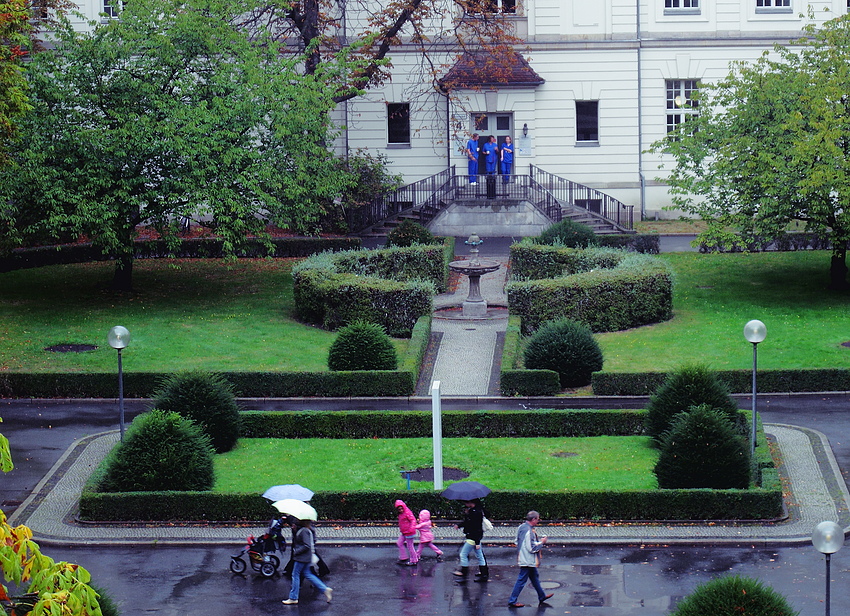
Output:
(261, 552)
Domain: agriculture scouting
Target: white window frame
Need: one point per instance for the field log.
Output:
(679, 101)
(499, 6)
(112, 8)
(679, 7)
(774, 6)
(398, 144)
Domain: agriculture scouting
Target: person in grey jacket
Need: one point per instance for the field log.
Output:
(304, 555)
(528, 546)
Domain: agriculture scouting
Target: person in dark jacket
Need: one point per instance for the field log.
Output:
(472, 526)
(304, 555)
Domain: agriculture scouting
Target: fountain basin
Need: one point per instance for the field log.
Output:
(475, 305)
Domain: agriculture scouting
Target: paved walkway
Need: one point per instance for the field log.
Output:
(817, 493)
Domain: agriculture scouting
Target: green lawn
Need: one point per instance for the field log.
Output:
(213, 315)
(591, 463)
(205, 314)
(716, 294)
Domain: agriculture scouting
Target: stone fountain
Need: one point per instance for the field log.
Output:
(474, 306)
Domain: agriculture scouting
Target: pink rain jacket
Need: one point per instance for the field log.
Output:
(406, 519)
(424, 526)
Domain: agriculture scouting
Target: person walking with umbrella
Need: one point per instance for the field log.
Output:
(473, 528)
(304, 555)
(528, 546)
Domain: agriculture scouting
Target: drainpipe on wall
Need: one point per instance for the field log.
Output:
(640, 113)
(448, 131)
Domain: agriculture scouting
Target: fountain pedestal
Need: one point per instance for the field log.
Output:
(474, 306)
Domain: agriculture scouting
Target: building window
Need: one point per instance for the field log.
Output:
(113, 7)
(477, 7)
(681, 103)
(587, 120)
(398, 123)
(681, 4)
(767, 6)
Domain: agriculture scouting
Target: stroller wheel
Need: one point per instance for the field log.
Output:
(274, 560)
(237, 565)
(267, 570)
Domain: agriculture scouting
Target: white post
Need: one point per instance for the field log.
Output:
(437, 429)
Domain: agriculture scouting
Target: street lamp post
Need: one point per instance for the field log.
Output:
(828, 538)
(119, 338)
(755, 332)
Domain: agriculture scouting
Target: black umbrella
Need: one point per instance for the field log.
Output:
(466, 491)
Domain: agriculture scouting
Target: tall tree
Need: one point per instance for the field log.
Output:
(771, 145)
(440, 31)
(170, 113)
(14, 28)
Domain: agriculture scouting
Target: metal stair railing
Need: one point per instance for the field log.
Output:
(425, 195)
(590, 199)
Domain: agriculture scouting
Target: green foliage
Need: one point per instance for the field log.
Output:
(408, 233)
(690, 385)
(160, 450)
(208, 400)
(568, 233)
(703, 449)
(568, 348)
(362, 346)
(609, 290)
(768, 146)
(171, 112)
(14, 26)
(108, 606)
(734, 596)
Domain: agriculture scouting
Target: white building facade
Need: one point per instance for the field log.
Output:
(615, 76)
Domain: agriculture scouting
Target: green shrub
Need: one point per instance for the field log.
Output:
(568, 233)
(108, 606)
(734, 596)
(362, 346)
(208, 400)
(408, 233)
(690, 385)
(703, 449)
(568, 348)
(161, 450)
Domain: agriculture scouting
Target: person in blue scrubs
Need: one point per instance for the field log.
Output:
(491, 153)
(507, 156)
(472, 155)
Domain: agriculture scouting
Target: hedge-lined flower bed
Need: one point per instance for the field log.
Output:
(763, 502)
(608, 290)
(391, 287)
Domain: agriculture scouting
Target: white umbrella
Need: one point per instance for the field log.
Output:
(289, 490)
(296, 508)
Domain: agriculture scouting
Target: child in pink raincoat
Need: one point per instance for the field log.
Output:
(426, 535)
(407, 527)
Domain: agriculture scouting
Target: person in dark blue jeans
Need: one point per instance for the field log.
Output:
(528, 546)
(304, 555)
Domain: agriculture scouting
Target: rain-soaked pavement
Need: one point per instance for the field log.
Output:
(366, 581)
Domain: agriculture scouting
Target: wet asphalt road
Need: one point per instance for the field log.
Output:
(366, 581)
(606, 581)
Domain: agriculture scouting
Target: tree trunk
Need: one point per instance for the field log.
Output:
(838, 266)
(122, 280)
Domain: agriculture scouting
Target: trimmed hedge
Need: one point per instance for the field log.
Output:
(647, 243)
(391, 287)
(194, 248)
(417, 424)
(759, 503)
(605, 289)
(738, 381)
(357, 383)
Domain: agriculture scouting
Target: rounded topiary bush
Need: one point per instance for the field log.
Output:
(362, 346)
(567, 347)
(690, 385)
(408, 233)
(703, 449)
(208, 400)
(162, 450)
(568, 233)
(734, 596)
